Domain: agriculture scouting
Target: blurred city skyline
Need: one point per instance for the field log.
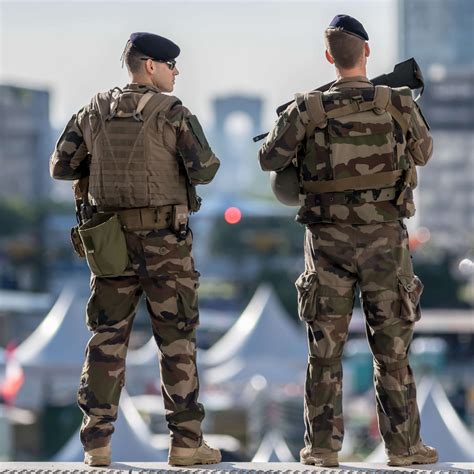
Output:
(268, 49)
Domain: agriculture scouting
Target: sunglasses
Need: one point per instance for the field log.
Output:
(170, 63)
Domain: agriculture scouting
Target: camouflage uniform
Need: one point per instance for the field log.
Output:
(162, 267)
(352, 239)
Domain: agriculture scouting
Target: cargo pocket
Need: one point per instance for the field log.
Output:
(306, 287)
(411, 288)
(187, 299)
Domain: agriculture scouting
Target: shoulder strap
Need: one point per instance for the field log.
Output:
(395, 112)
(158, 103)
(311, 109)
(143, 101)
(382, 97)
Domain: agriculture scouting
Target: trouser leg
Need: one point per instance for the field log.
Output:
(331, 293)
(395, 388)
(172, 304)
(391, 306)
(110, 313)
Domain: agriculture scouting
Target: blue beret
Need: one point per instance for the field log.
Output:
(155, 46)
(349, 25)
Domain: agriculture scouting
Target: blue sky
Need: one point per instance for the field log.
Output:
(270, 49)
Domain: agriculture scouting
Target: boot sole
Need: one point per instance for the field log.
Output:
(177, 461)
(312, 462)
(413, 460)
(98, 462)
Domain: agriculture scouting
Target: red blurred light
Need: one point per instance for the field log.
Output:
(232, 215)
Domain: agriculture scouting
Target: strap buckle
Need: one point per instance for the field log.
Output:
(357, 101)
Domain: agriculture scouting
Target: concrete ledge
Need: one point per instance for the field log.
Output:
(227, 468)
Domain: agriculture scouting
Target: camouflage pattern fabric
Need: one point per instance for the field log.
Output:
(161, 267)
(69, 159)
(376, 258)
(358, 144)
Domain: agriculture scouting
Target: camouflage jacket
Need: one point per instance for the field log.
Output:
(293, 133)
(69, 160)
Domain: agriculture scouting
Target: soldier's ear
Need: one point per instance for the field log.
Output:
(149, 66)
(329, 57)
(367, 49)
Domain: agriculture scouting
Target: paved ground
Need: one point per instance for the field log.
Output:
(226, 468)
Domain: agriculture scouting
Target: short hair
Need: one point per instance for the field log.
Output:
(345, 48)
(132, 58)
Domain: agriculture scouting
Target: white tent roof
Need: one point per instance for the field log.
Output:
(53, 355)
(143, 368)
(59, 341)
(130, 441)
(262, 341)
(146, 356)
(273, 448)
(440, 427)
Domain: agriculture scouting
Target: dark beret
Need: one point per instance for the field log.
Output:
(349, 25)
(155, 46)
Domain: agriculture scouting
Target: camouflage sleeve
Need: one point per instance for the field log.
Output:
(200, 162)
(283, 140)
(68, 160)
(419, 141)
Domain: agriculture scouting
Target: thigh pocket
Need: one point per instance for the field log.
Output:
(306, 288)
(187, 300)
(411, 288)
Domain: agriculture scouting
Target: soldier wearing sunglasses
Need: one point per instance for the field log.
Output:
(143, 154)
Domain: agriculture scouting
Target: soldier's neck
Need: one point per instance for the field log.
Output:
(138, 79)
(356, 71)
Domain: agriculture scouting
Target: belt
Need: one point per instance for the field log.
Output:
(354, 197)
(143, 218)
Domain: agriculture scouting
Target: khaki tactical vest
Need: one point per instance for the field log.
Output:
(133, 147)
(355, 168)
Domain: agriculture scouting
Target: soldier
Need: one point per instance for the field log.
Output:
(356, 147)
(143, 153)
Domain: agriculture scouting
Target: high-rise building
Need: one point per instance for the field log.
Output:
(25, 143)
(438, 33)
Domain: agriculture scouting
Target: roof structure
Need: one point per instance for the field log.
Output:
(441, 426)
(263, 341)
(53, 355)
(273, 448)
(130, 441)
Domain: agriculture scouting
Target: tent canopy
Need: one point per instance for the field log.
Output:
(130, 441)
(441, 426)
(262, 341)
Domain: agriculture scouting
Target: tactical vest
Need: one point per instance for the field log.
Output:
(355, 168)
(134, 157)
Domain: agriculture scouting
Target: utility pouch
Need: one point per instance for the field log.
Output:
(179, 221)
(76, 242)
(411, 288)
(104, 244)
(306, 288)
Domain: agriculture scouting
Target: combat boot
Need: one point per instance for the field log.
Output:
(319, 459)
(421, 454)
(190, 456)
(97, 456)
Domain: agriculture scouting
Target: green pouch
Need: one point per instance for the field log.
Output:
(104, 244)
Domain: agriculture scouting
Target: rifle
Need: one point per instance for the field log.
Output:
(407, 73)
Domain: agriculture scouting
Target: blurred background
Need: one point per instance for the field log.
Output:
(239, 61)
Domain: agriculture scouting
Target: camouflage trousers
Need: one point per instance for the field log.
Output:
(162, 267)
(376, 258)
